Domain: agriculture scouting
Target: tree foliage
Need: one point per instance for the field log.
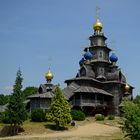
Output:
(137, 99)
(77, 115)
(16, 111)
(29, 91)
(4, 99)
(38, 115)
(131, 123)
(99, 117)
(59, 111)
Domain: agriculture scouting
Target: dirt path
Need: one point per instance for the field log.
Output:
(92, 129)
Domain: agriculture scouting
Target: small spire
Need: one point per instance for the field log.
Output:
(97, 25)
(97, 12)
(113, 57)
(87, 48)
(127, 88)
(49, 74)
(88, 55)
(49, 62)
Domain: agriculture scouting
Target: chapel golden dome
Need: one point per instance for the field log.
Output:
(97, 25)
(49, 75)
(127, 87)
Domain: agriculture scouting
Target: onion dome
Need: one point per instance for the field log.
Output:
(127, 87)
(81, 61)
(88, 55)
(97, 25)
(113, 57)
(49, 75)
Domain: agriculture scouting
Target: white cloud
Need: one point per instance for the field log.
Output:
(8, 88)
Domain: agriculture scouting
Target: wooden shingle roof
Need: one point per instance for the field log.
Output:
(73, 88)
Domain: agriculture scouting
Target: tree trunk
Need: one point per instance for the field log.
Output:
(14, 131)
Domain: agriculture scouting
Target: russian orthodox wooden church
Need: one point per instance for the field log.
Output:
(42, 99)
(99, 86)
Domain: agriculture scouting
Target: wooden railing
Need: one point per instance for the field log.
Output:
(88, 102)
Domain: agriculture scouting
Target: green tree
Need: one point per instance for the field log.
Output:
(4, 99)
(77, 115)
(137, 99)
(16, 111)
(59, 111)
(29, 91)
(38, 115)
(131, 123)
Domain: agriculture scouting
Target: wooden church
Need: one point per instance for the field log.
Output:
(99, 86)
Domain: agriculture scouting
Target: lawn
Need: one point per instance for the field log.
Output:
(40, 131)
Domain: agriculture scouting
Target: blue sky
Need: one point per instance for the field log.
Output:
(31, 31)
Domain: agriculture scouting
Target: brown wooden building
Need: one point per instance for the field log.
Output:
(42, 99)
(99, 86)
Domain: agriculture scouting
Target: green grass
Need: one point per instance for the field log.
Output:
(32, 128)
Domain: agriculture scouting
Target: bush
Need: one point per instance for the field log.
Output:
(131, 122)
(4, 118)
(38, 115)
(110, 117)
(77, 115)
(99, 117)
(59, 110)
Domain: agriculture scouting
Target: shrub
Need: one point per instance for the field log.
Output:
(99, 117)
(4, 118)
(38, 115)
(131, 122)
(110, 117)
(77, 115)
(59, 111)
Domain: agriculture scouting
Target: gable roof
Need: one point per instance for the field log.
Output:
(48, 94)
(73, 88)
(86, 89)
(68, 91)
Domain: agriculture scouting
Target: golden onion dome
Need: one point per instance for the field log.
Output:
(127, 87)
(49, 76)
(97, 25)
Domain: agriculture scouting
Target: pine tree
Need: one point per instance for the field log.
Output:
(59, 111)
(16, 111)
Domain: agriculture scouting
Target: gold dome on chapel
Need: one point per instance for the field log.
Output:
(97, 25)
(49, 75)
(127, 87)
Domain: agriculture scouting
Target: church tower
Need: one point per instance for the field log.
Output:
(99, 86)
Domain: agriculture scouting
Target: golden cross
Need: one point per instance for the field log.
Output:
(49, 61)
(97, 12)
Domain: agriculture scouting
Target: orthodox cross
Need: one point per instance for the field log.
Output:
(49, 62)
(97, 12)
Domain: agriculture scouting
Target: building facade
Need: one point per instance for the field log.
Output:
(99, 86)
(42, 99)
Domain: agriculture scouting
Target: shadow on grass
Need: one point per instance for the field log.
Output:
(55, 127)
(7, 131)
